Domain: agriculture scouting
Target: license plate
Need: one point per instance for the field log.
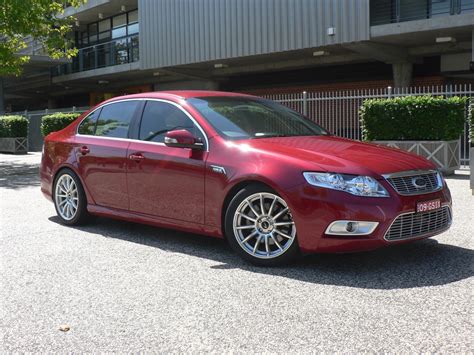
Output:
(426, 206)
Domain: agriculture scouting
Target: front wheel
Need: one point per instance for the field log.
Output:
(260, 227)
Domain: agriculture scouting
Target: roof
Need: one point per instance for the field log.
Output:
(178, 94)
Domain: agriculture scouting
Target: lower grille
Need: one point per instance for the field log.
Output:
(412, 225)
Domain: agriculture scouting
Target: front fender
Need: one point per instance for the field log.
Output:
(245, 166)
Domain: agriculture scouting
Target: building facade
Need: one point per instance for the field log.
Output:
(255, 46)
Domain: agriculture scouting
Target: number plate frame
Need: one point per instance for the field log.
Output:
(427, 206)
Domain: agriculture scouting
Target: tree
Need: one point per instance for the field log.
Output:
(39, 20)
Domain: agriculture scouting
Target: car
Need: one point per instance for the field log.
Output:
(270, 181)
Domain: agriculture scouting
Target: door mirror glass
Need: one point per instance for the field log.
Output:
(182, 138)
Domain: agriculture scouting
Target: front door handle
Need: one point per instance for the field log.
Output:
(84, 150)
(136, 157)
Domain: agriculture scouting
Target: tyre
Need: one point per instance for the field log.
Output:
(69, 199)
(260, 228)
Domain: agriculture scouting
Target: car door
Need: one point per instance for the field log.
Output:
(166, 181)
(102, 142)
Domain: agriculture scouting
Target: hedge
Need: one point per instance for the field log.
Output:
(13, 127)
(413, 118)
(57, 121)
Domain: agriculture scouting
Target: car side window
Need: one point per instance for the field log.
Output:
(160, 117)
(115, 119)
(87, 125)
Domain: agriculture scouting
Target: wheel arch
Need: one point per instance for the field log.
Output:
(234, 190)
(74, 170)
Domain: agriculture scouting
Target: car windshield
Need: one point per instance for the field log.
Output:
(250, 118)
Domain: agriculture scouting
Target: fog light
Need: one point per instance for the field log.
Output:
(351, 228)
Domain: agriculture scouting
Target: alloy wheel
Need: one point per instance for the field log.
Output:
(66, 197)
(263, 225)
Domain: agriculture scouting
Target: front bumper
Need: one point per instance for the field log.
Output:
(314, 209)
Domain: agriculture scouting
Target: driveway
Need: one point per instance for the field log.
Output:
(126, 287)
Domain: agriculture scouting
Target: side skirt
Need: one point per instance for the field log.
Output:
(134, 217)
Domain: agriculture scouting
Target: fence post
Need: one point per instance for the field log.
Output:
(305, 103)
(389, 92)
(449, 90)
(74, 109)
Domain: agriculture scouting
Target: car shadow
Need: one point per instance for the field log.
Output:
(17, 175)
(419, 264)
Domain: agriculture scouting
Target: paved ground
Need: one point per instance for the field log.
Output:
(126, 287)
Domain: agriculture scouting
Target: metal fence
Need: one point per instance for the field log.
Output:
(35, 138)
(338, 111)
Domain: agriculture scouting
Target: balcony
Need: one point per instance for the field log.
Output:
(393, 11)
(119, 51)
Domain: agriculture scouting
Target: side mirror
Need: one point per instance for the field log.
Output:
(182, 138)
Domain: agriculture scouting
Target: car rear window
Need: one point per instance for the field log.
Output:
(114, 119)
(87, 125)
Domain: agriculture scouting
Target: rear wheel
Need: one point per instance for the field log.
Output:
(260, 227)
(69, 198)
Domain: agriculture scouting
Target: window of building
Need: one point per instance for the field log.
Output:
(133, 16)
(87, 126)
(132, 29)
(120, 20)
(92, 31)
(119, 32)
(114, 27)
(115, 119)
(104, 30)
(83, 39)
(104, 25)
(160, 117)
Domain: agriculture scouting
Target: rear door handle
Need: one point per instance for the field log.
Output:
(84, 150)
(136, 157)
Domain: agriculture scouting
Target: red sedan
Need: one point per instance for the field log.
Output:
(234, 166)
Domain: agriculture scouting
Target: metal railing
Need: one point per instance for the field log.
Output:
(35, 138)
(338, 111)
(119, 51)
(393, 11)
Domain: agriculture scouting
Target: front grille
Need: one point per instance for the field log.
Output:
(412, 225)
(416, 183)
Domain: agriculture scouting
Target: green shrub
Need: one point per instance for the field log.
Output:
(413, 118)
(57, 121)
(13, 127)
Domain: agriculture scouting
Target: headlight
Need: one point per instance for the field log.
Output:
(440, 178)
(353, 184)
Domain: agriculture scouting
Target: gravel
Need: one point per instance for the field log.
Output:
(121, 287)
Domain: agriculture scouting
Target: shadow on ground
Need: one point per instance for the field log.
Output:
(418, 264)
(16, 175)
